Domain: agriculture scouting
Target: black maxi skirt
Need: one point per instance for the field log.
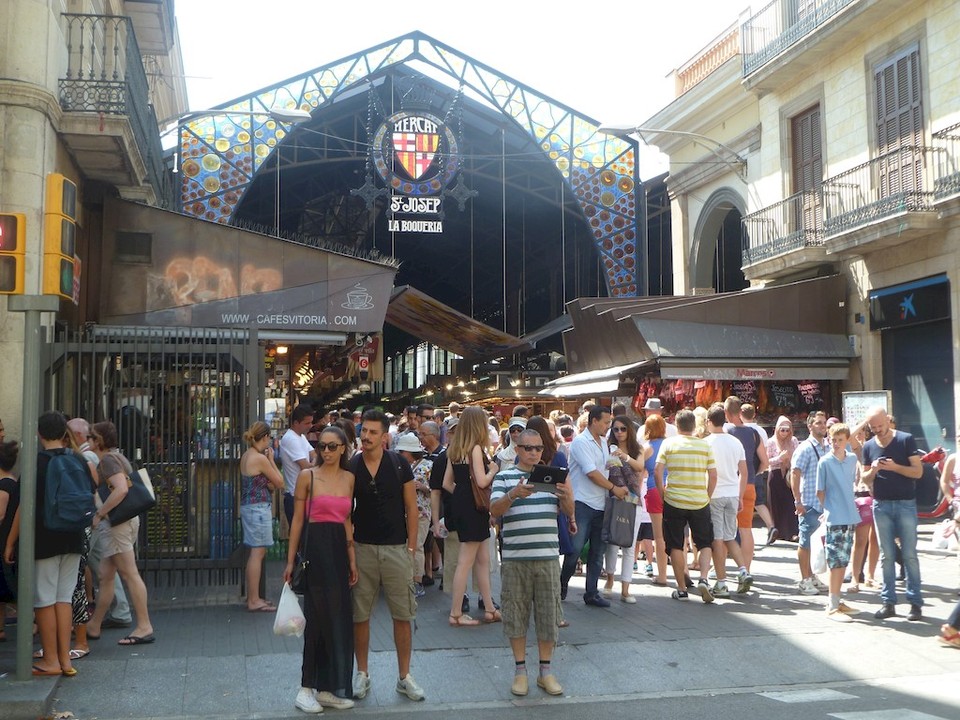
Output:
(328, 636)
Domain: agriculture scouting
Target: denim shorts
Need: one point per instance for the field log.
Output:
(760, 483)
(808, 524)
(257, 524)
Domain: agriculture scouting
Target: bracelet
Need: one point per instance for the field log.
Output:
(349, 543)
(509, 496)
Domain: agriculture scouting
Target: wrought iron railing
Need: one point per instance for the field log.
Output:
(105, 74)
(898, 181)
(781, 24)
(947, 180)
(790, 224)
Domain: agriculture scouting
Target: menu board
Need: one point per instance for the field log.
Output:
(856, 404)
(783, 395)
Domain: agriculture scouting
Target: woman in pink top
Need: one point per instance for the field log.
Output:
(324, 496)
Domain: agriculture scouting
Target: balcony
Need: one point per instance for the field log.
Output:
(788, 40)
(784, 238)
(946, 184)
(725, 46)
(883, 202)
(108, 123)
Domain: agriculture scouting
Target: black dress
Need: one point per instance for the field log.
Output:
(328, 636)
(472, 525)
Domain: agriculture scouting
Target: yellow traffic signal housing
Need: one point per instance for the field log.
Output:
(59, 236)
(13, 249)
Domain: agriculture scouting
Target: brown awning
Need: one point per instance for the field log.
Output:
(425, 317)
(794, 331)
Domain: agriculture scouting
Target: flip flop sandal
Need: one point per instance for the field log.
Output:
(136, 640)
(40, 672)
(77, 654)
(463, 621)
(266, 607)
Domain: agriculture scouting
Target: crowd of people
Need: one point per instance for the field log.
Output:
(380, 504)
(448, 490)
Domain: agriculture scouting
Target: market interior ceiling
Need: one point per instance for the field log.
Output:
(503, 255)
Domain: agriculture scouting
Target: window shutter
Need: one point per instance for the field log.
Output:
(899, 123)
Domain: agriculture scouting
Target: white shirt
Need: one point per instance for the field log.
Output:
(671, 431)
(293, 447)
(727, 452)
(587, 455)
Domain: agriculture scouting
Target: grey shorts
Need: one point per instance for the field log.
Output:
(257, 522)
(531, 585)
(56, 577)
(723, 514)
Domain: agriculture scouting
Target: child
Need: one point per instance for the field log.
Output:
(836, 477)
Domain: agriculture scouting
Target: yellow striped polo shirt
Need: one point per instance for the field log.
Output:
(687, 460)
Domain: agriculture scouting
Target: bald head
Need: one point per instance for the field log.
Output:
(79, 429)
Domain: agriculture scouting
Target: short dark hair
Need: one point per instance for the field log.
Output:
(618, 409)
(8, 455)
(520, 411)
(717, 415)
(52, 425)
(300, 413)
(597, 412)
(375, 415)
(424, 407)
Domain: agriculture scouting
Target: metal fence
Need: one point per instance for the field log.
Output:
(105, 74)
(790, 224)
(179, 398)
(901, 180)
(947, 180)
(781, 24)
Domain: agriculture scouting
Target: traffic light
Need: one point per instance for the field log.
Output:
(13, 247)
(59, 236)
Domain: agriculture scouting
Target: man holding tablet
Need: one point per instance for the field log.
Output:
(529, 571)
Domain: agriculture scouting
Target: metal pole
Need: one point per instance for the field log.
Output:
(31, 306)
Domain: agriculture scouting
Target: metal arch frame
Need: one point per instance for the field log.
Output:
(221, 152)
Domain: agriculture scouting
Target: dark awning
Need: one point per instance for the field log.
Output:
(788, 332)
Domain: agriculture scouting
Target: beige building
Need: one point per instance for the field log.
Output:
(83, 84)
(818, 137)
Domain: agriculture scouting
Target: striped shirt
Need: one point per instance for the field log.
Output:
(687, 459)
(530, 525)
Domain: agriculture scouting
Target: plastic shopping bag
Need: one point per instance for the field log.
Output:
(818, 550)
(290, 619)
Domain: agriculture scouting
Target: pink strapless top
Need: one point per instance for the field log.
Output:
(330, 508)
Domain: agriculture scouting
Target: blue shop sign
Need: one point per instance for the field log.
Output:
(911, 303)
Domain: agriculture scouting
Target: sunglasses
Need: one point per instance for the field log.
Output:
(531, 448)
(619, 429)
(329, 447)
(516, 428)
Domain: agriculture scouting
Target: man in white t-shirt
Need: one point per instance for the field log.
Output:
(296, 453)
(726, 501)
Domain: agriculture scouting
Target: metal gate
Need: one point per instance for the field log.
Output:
(180, 398)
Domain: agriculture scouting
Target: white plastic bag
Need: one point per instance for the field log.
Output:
(818, 550)
(290, 619)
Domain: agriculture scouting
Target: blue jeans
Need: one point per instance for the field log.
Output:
(898, 519)
(589, 527)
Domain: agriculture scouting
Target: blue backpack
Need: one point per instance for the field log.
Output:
(68, 501)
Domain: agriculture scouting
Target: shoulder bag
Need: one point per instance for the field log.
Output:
(140, 497)
(481, 496)
(298, 579)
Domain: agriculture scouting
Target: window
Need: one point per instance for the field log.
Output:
(133, 247)
(899, 124)
(807, 163)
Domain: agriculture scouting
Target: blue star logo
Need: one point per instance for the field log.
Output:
(906, 307)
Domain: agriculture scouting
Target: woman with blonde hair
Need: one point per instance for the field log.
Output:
(467, 456)
(259, 477)
(654, 433)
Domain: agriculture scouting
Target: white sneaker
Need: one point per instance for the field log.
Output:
(361, 685)
(307, 702)
(328, 699)
(818, 585)
(408, 686)
(807, 587)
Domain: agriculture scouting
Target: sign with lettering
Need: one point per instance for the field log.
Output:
(784, 396)
(417, 155)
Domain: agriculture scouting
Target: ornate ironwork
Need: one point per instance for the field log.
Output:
(788, 225)
(222, 152)
(947, 181)
(781, 24)
(105, 74)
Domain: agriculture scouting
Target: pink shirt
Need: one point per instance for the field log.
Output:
(330, 508)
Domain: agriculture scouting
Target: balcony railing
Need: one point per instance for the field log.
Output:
(781, 24)
(725, 46)
(896, 182)
(947, 182)
(105, 75)
(790, 224)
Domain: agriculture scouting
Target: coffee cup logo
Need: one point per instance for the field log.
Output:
(358, 299)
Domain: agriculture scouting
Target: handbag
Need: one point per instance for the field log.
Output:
(481, 496)
(619, 522)
(140, 497)
(298, 578)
